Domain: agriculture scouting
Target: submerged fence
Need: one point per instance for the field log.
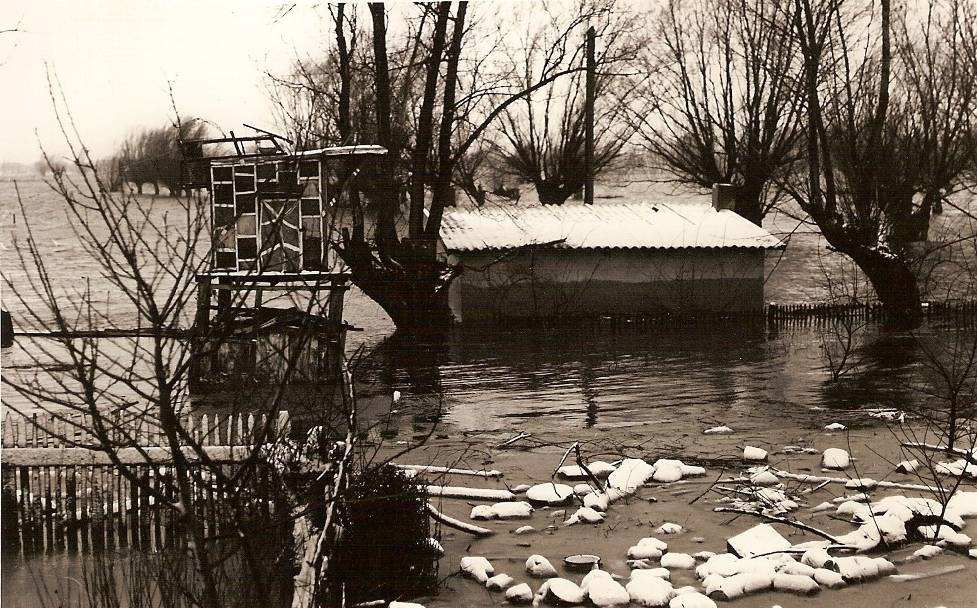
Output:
(963, 311)
(57, 496)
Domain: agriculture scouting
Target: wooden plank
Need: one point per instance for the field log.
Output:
(71, 505)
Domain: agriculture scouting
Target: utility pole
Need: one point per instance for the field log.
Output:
(588, 191)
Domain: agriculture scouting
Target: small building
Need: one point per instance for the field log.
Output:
(603, 260)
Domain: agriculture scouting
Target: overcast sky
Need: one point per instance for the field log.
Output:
(115, 57)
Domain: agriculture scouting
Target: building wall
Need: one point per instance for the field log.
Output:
(566, 283)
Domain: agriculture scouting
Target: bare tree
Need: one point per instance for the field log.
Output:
(718, 100)
(458, 95)
(120, 386)
(544, 135)
(866, 156)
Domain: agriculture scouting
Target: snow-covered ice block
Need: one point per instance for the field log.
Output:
(630, 475)
(648, 548)
(582, 489)
(754, 453)
(760, 539)
(680, 561)
(835, 426)
(524, 530)
(835, 458)
(477, 567)
(550, 493)
(499, 582)
(598, 468)
(669, 528)
(927, 551)
(603, 591)
(562, 590)
(764, 478)
(828, 578)
(512, 510)
(482, 512)
(795, 583)
(650, 591)
(597, 501)
(667, 470)
(718, 430)
(907, 466)
(519, 594)
(691, 600)
(642, 573)
(584, 515)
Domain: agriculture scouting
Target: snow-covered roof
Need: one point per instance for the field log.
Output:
(612, 226)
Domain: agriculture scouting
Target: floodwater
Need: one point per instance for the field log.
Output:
(645, 391)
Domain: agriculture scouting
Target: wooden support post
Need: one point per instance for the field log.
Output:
(588, 196)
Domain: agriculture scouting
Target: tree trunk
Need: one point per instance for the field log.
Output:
(411, 290)
(749, 203)
(552, 193)
(895, 285)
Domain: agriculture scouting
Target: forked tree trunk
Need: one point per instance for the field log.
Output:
(411, 290)
(895, 285)
(551, 193)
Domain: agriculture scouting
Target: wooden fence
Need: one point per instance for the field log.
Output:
(964, 311)
(46, 430)
(53, 500)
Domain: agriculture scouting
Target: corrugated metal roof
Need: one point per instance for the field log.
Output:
(613, 226)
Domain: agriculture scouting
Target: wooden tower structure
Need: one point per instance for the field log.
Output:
(271, 213)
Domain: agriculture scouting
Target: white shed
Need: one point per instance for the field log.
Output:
(603, 260)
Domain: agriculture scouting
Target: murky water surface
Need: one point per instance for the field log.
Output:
(648, 387)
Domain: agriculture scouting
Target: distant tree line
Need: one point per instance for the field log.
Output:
(154, 157)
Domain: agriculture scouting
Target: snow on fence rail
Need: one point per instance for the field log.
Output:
(47, 430)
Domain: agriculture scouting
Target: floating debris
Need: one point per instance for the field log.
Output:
(478, 568)
(835, 426)
(540, 567)
(758, 540)
(503, 510)
(648, 548)
(499, 582)
(669, 528)
(907, 466)
(581, 561)
(679, 561)
(519, 594)
(718, 430)
(584, 515)
(561, 590)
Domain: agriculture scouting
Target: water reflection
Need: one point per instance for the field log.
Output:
(611, 378)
